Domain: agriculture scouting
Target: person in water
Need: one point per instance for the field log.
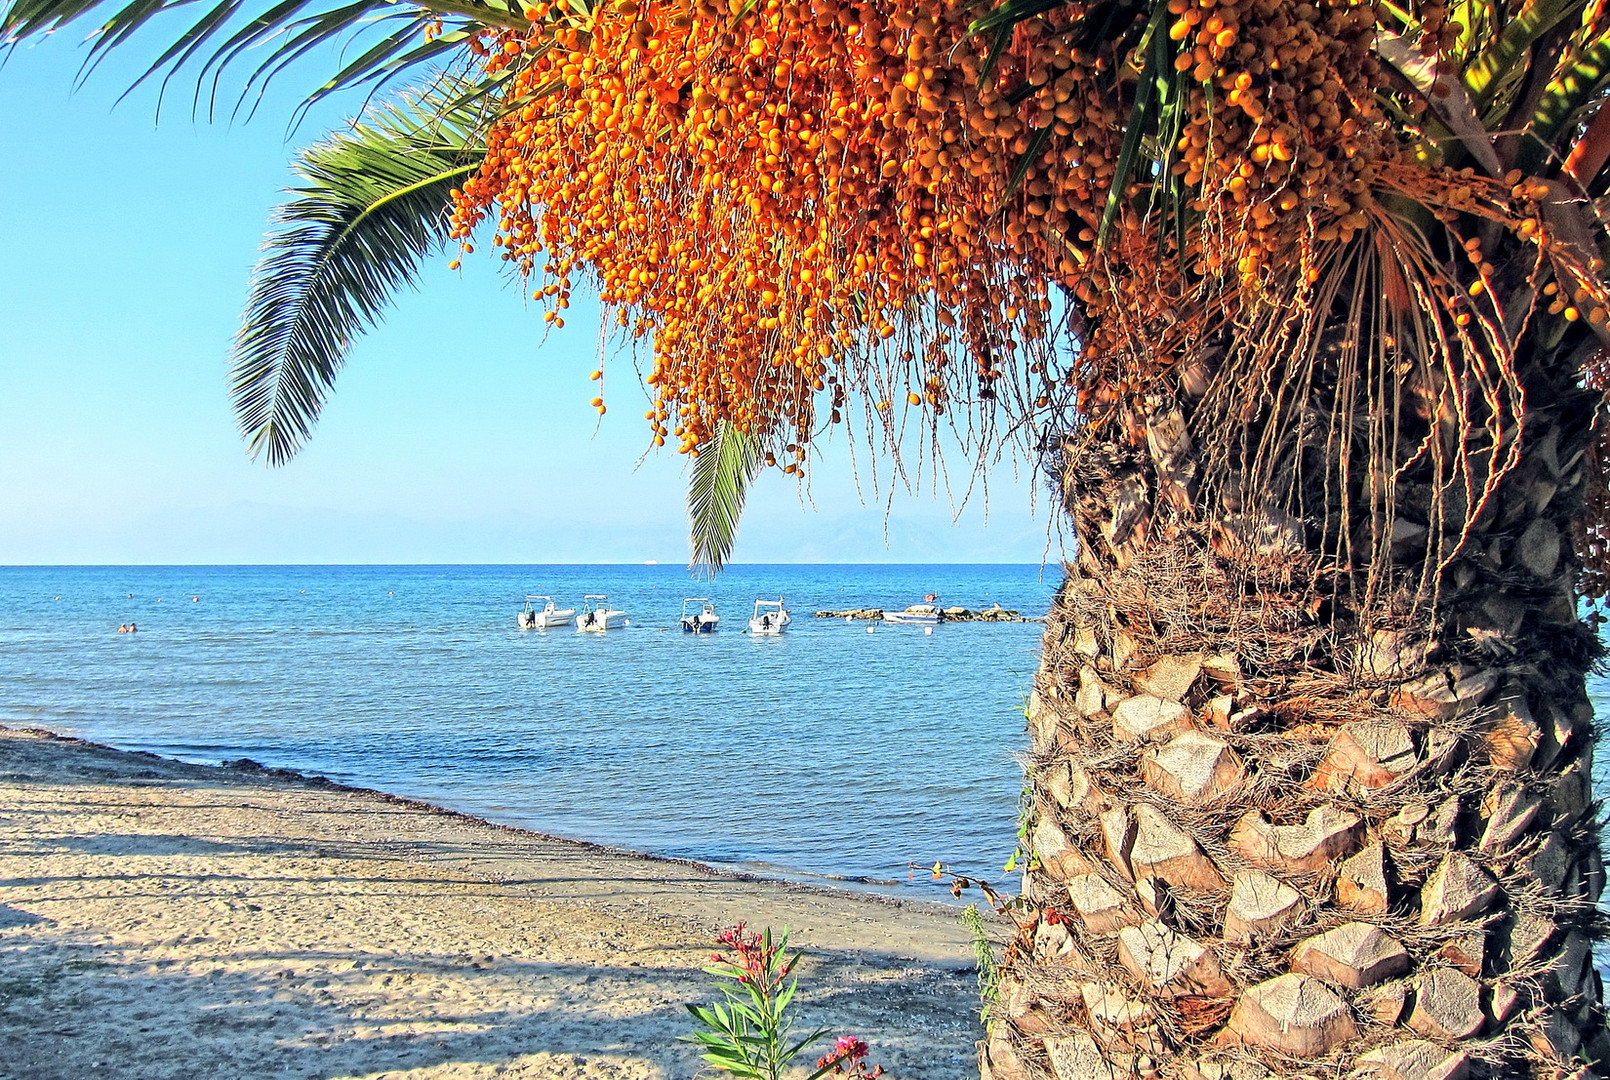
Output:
(122, 628)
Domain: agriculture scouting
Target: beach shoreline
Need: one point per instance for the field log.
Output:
(164, 919)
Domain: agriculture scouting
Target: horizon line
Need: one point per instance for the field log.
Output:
(639, 563)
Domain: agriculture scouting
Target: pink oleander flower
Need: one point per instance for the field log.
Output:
(847, 1051)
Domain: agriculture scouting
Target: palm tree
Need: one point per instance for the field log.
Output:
(372, 208)
(1311, 746)
(1310, 788)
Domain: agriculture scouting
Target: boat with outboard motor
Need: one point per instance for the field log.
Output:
(770, 618)
(532, 618)
(702, 620)
(926, 613)
(597, 616)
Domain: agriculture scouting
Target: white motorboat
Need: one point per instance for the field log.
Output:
(770, 617)
(702, 620)
(597, 616)
(926, 613)
(531, 617)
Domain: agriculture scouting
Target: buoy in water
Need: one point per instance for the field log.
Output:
(928, 630)
(870, 630)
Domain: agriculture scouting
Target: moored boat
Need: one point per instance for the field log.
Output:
(770, 618)
(926, 613)
(597, 616)
(550, 614)
(702, 620)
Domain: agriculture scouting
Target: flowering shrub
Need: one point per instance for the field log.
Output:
(847, 1058)
(748, 1032)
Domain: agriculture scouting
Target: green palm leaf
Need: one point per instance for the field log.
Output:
(390, 34)
(374, 206)
(717, 487)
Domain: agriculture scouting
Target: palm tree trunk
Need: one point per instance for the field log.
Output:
(1294, 816)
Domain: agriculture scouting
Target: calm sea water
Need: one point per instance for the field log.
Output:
(827, 752)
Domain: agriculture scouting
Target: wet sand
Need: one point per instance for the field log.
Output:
(163, 920)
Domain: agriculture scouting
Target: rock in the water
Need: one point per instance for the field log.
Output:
(1163, 850)
(1447, 1005)
(1354, 955)
(1328, 834)
(1260, 907)
(1192, 767)
(1415, 1060)
(1146, 718)
(1170, 963)
(1292, 1014)
(1361, 883)
(1457, 889)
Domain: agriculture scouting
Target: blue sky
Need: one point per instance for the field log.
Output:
(457, 433)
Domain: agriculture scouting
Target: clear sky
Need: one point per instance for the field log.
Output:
(457, 433)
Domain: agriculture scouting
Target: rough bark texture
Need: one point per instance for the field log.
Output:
(1285, 826)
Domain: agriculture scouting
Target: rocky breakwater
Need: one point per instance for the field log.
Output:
(950, 614)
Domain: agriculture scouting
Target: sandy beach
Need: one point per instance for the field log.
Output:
(166, 920)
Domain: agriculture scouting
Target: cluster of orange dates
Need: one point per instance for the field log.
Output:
(794, 199)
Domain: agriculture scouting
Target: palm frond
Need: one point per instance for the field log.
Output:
(718, 484)
(1573, 96)
(1153, 57)
(1505, 59)
(391, 34)
(1447, 100)
(374, 206)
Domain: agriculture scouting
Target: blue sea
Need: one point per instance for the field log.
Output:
(825, 754)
